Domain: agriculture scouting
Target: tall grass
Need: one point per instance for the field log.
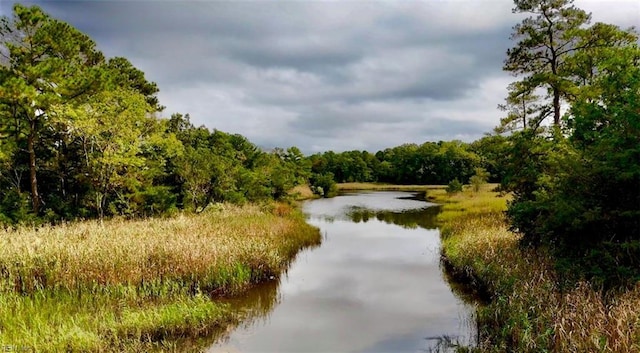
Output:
(111, 286)
(528, 310)
(302, 192)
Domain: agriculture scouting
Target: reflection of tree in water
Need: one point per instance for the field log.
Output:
(443, 344)
(416, 218)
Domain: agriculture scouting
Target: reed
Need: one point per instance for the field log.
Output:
(108, 286)
(528, 310)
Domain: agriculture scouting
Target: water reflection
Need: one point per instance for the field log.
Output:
(254, 307)
(418, 218)
(375, 285)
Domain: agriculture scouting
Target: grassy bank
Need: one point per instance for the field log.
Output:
(138, 285)
(528, 310)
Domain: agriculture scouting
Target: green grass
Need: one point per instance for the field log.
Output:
(139, 285)
(528, 310)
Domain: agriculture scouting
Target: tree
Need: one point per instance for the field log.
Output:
(547, 44)
(578, 193)
(523, 109)
(110, 127)
(295, 162)
(323, 185)
(454, 186)
(46, 62)
(121, 73)
(544, 44)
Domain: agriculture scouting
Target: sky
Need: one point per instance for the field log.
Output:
(330, 75)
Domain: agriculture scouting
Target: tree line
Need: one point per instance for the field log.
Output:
(434, 163)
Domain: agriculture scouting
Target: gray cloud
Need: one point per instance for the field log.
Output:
(319, 75)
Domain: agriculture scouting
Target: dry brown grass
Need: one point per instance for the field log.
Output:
(302, 192)
(133, 286)
(189, 248)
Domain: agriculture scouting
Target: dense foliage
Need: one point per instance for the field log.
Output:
(577, 183)
(81, 136)
(429, 163)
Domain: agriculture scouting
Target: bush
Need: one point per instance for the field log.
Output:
(479, 179)
(454, 186)
(323, 185)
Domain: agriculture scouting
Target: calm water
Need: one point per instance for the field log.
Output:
(374, 285)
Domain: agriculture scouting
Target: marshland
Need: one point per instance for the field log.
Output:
(124, 285)
(127, 228)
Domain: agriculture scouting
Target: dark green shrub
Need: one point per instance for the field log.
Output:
(454, 186)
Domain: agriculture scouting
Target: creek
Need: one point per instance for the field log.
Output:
(374, 285)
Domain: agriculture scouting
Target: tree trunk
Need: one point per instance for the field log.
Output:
(35, 197)
(556, 107)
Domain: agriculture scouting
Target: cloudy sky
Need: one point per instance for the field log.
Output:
(336, 75)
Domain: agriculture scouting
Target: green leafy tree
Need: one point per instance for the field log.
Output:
(577, 190)
(295, 163)
(121, 73)
(111, 128)
(323, 185)
(554, 52)
(523, 109)
(46, 62)
(493, 152)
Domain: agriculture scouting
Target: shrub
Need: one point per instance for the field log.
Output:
(454, 186)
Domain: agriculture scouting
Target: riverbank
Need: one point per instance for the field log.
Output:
(528, 311)
(139, 285)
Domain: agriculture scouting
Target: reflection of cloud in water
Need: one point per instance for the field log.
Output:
(375, 285)
(392, 201)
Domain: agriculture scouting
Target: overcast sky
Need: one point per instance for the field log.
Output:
(337, 75)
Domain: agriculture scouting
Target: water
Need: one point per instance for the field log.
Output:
(375, 285)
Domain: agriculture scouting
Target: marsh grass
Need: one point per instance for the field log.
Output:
(528, 310)
(118, 284)
(302, 192)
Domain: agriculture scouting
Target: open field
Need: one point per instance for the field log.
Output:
(136, 285)
(528, 310)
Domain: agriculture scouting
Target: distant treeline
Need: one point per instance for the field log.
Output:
(428, 163)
